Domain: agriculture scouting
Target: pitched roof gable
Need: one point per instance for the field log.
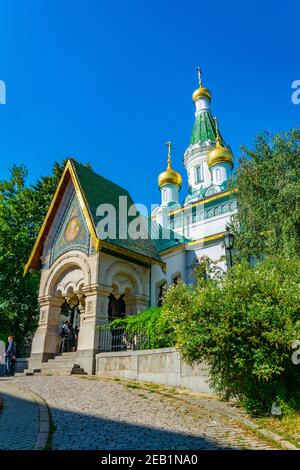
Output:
(93, 190)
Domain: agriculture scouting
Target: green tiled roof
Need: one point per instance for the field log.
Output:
(99, 190)
(204, 128)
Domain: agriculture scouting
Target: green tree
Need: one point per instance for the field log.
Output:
(268, 181)
(22, 210)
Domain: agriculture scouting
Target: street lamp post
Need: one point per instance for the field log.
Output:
(228, 242)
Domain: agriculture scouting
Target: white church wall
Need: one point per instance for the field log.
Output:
(176, 264)
(196, 159)
(208, 227)
(134, 275)
(220, 172)
(157, 277)
(205, 228)
(195, 252)
(169, 193)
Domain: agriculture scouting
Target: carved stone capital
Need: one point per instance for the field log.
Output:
(51, 301)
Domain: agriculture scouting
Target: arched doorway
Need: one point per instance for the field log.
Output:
(116, 307)
(65, 291)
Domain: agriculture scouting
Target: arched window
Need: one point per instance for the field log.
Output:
(176, 278)
(160, 291)
(225, 208)
(218, 174)
(198, 173)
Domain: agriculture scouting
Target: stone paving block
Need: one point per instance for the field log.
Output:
(44, 426)
(44, 416)
(43, 408)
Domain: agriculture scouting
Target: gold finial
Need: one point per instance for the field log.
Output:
(217, 131)
(199, 72)
(170, 146)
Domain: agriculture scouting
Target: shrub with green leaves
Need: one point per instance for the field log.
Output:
(153, 324)
(243, 326)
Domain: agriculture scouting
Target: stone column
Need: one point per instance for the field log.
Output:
(95, 314)
(46, 341)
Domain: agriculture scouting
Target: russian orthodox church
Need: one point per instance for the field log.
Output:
(100, 279)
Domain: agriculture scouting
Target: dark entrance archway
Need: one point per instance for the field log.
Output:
(116, 307)
(69, 319)
(116, 310)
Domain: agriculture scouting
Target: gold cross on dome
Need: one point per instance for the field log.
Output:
(217, 129)
(199, 72)
(170, 146)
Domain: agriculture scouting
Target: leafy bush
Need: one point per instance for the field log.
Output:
(243, 326)
(268, 197)
(152, 323)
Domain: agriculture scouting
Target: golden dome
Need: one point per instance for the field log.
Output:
(201, 91)
(169, 176)
(220, 154)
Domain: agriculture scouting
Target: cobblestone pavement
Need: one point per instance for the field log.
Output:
(19, 419)
(103, 414)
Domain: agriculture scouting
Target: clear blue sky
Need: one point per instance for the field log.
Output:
(108, 82)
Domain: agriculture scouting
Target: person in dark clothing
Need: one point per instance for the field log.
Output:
(71, 336)
(64, 347)
(10, 356)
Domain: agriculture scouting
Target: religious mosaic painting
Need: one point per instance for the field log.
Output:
(72, 233)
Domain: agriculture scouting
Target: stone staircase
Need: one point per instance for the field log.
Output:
(62, 364)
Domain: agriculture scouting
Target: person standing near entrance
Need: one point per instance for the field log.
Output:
(64, 347)
(71, 336)
(10, 356)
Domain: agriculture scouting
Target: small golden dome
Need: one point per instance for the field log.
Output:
(201, 91)
(220, 154)
(169, 176)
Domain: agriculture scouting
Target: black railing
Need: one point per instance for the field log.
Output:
(117, 339)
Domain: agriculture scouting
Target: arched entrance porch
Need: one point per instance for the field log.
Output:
(61, 292)
(101, 286)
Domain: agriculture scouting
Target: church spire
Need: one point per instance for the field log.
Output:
(208, 160)
(204, 126)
